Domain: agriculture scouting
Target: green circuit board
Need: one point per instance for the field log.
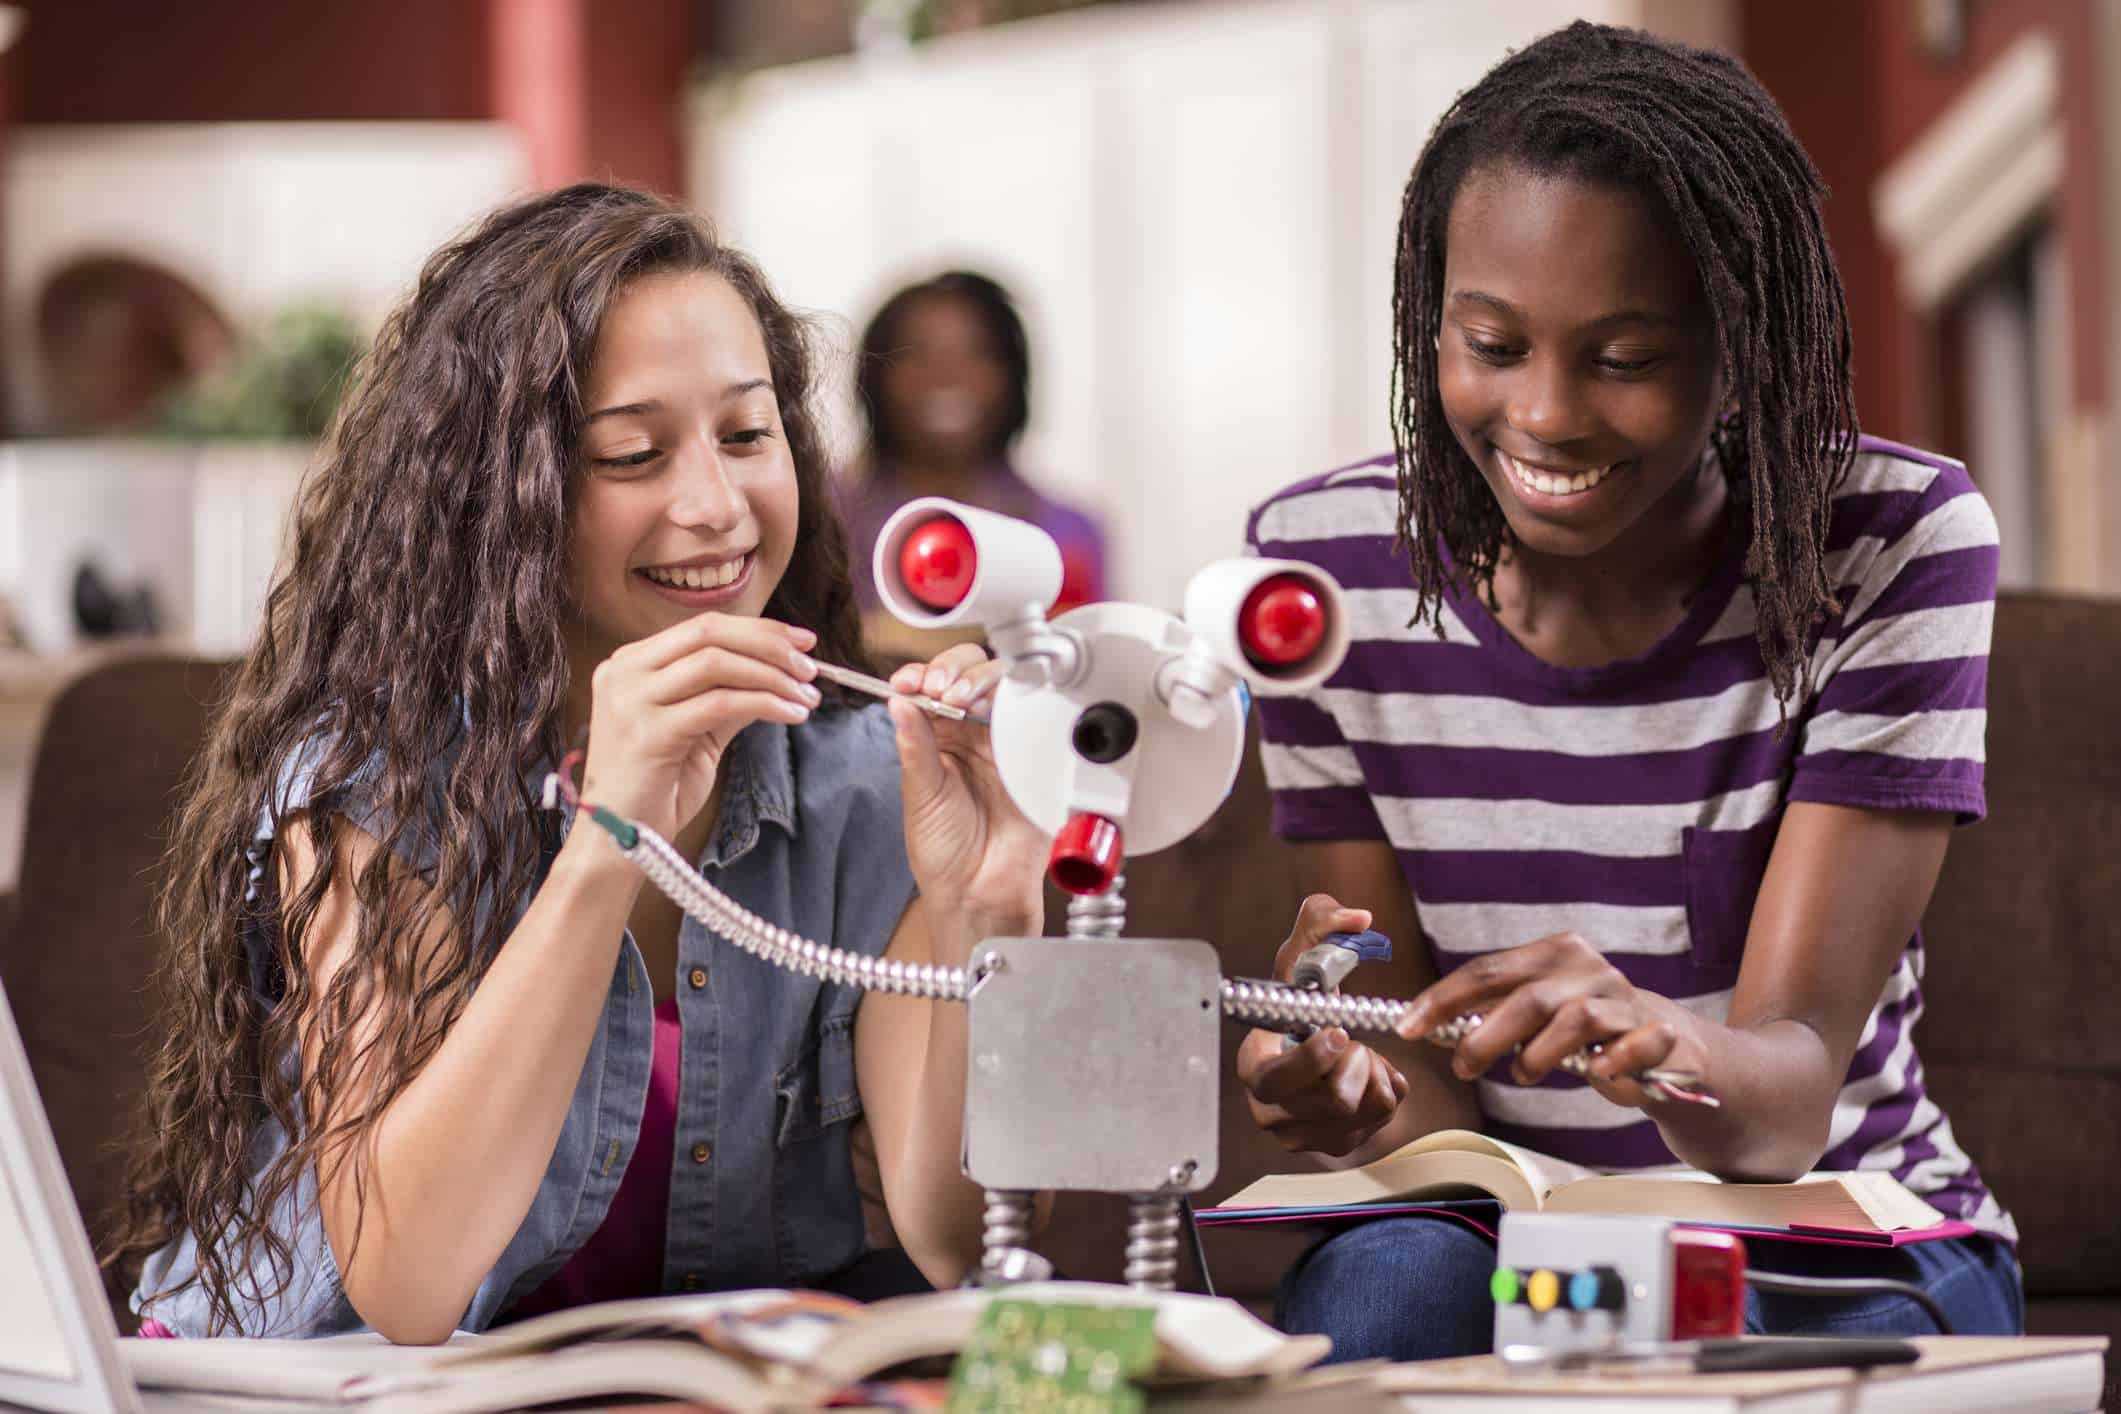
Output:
(1032, 1357)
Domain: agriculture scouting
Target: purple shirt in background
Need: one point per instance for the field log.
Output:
(867, 505)
(1637, 802)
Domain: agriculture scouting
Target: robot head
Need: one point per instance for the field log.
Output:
(1119, 728)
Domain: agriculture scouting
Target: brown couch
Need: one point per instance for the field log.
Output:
(2022, 1041)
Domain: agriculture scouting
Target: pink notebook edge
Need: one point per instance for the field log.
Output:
(1816, 1236)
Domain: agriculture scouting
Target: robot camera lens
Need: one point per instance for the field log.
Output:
(1105, 732)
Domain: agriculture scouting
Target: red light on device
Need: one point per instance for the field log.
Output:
(1282, 622)
(1708, 1284)
(1086, 854)
(938, 561)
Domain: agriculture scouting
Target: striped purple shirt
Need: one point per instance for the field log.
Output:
(1636, 803)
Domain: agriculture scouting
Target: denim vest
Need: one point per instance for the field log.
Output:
(810, 836)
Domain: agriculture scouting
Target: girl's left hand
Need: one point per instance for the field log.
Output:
(1553, 997)
(974, 854)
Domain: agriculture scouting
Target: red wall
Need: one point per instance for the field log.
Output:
(640, 54)
(1815, 57)
(1914, 91)
(607, 103)
(1860, 91)
(182, 61)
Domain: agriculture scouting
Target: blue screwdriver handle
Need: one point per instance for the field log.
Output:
(1369, 946)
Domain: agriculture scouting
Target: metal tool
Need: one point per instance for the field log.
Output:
(1663, 1082)
(877, 687)
(1324, 966)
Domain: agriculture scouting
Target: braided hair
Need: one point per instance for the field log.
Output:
(1694, 129)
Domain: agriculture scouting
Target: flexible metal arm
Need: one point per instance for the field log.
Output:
(1262, 1003)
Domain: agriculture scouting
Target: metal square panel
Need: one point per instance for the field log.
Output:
(1094, 1066)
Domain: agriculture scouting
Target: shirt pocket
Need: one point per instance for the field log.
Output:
(817, 1090)
(817, 1205)
(1723, 870)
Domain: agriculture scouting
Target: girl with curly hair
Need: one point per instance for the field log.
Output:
(436, 1058)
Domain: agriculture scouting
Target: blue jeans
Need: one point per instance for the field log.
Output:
(1416, 1288)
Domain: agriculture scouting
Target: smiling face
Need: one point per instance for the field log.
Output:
(946, 385)
(687, 494)
(1577, 361)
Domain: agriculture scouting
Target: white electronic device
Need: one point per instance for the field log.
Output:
(1574, 1281)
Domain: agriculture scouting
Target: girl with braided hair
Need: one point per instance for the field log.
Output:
(1666, 692)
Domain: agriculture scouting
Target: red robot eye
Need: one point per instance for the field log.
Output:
(1282, 622)
(938, 562)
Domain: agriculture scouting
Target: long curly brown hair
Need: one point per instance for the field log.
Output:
(420, 613)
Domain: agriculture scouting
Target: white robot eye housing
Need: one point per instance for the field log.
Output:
(1279, 624)
(940, 564)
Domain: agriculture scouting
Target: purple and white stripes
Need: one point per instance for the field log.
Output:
(1637, 802)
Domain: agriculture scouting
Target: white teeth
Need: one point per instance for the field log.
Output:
(698, 576)
(1547, 484)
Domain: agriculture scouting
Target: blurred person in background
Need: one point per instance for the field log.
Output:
(944, 384)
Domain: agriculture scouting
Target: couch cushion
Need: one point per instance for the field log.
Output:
(81, 947)
(2021, 1039)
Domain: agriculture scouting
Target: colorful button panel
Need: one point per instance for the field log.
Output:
(1596, 1289)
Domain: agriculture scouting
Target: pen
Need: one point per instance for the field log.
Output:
(877, 687)
(1663, 1083)
(1715, 1357)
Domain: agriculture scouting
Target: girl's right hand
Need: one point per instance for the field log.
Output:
(1332, 1093)
(664, 709)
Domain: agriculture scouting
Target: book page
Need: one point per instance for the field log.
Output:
(1858, 1201)
(1543, 1171)
(673, 1369)
(321, 1369)
(1447, 1163)
(618, 1320)
(1196, 1336)
(1887, 1200)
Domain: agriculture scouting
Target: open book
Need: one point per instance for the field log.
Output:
(1456, 1163)
(739, 1351)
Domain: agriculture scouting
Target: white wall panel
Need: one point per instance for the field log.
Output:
(256, 214)
(1195, 205)
(1230, 218)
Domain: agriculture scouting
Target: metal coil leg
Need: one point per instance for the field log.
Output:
(1005, 1252)
(1152, 1241)
(1099, 915)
